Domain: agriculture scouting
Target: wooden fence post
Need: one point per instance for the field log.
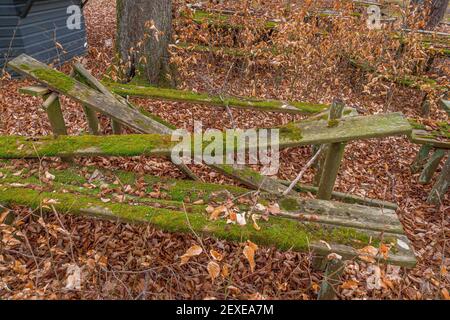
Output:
(440, 187)
(84, 76)
(331, 279)
(52, 106)
(333, 156)
(91, 115)
(431, 166)
(421, 158)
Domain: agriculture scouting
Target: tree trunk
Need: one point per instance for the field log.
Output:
(434, 11)
(144, 30)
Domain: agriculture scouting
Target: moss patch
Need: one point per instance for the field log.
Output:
(202, 98)
(55, 79)
(283, 233)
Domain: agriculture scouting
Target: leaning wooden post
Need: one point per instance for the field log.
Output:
(85, 77)
(333, 156)
(52, 106)
(331, 279)
(91, 115)
(440, 187)
(421, 158)
(431, 166)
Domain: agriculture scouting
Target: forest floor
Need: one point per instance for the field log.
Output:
(140, 262)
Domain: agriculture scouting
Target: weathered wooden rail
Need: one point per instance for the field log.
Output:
(302, 224)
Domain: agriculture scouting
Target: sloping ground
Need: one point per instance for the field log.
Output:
(123, 261)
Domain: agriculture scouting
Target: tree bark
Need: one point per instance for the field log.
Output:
(434, 11)
(144, 31)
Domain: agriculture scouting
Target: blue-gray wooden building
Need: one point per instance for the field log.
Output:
(39, 28)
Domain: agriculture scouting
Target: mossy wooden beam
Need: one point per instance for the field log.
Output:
(217, 101)
(177, 191)
(346, 129)
(253, 179)
(437, 194)
(307, 133)
(285, 234)
(431, 166)
(431, 138)
(63, 84)
(414, 82)
(74, 179)
(13, 147)
(345, 197)
(224, 20)
(35, 91)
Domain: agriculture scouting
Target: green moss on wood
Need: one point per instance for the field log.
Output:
(56, 79)
(283, 233)
(333, 123)
(202, 98)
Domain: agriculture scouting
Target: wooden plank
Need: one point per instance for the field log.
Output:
(297, 235)
(426, 137)
(347, 129)
(215, 101)
(99, 102)
(252, 179)
(35, 91)
(327, 212)
(437, 194)
(431, 166)
(345, 197)
(307, 133)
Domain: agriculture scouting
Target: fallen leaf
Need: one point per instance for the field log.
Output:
(445, 294)
(234, 290)
(260, 207)
(73, 277)
(225, 271)
(49, 176)
(249, 253)
(194, 250)
(255, 217)
(274, 209)
(213, 269)
(368, 254)
(350, 284)
(216, 255)
(315, 287)
(384, 250)
(216, 212)
(256, 296)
